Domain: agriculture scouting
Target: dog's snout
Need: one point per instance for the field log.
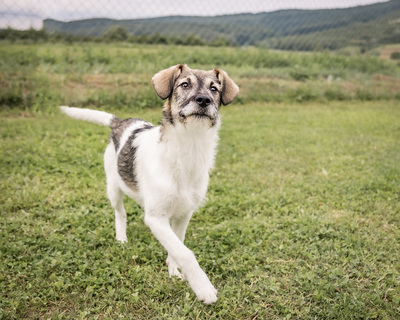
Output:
(203, 101)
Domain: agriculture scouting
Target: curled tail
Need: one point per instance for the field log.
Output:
(98, 117)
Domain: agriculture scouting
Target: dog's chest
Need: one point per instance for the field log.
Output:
(185, 184)
(176, 175)
(185, 200)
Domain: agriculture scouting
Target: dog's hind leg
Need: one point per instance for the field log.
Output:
(184, 258)
(115, 194)
(179, 226)
(116, 198)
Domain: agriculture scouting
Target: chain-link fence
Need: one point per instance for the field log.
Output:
(289, 25)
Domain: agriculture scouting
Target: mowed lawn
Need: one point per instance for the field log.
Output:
(301, 222)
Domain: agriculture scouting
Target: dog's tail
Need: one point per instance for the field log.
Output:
(98, 117)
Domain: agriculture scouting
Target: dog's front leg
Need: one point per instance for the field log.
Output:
(179, 226)
(184, 258)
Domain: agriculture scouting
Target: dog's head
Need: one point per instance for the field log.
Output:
(194, 95)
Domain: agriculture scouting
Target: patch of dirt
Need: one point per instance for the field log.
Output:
(381, 80)
(387, 51)
(17, 114)
(98, 81)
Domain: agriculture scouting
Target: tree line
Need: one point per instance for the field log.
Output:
(113, 34)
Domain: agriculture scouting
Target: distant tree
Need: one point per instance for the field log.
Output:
(194, 41)
(158, 39)
(220, 42)
(143, 39)
(395, 55)
(116, 33)
(27, 35)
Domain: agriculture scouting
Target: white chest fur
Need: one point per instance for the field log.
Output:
(173, 167)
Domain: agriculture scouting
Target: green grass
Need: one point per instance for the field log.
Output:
(302, 218)
(38, 77)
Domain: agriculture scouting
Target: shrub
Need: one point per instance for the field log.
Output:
(395, 55)
(116, 33)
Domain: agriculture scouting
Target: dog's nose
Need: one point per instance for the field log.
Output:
(203, 101)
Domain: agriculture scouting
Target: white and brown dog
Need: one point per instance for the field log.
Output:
(166, 168)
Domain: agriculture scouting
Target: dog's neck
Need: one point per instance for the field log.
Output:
(194, 136)
(192, 146)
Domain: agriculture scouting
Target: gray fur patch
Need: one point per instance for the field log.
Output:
(127, 156)
(118, 128)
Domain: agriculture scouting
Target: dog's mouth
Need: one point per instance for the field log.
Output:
(201, 116)
(196, 115)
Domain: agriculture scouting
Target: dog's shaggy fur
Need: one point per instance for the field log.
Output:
(166, 168)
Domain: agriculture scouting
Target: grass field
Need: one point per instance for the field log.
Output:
(303, 213)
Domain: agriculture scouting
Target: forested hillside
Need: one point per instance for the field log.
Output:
(365, 26)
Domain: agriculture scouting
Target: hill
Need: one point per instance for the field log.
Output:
(286, 29)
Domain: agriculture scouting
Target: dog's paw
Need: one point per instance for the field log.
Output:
(173, 269)
(122, 239)
(203, 288)
(207, 294)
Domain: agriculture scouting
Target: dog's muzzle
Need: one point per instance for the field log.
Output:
(200, 107)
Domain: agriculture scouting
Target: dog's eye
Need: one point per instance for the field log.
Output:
(213, 88)
(185, 85)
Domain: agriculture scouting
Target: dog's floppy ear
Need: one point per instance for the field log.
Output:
(229, 88)
(163, 82)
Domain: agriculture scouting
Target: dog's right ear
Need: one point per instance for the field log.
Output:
(163, 82)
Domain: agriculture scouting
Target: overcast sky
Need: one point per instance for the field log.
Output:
(68, 10)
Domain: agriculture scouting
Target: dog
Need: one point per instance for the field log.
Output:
(166, 168)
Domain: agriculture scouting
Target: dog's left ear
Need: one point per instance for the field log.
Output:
(163, 82)
(229, 88)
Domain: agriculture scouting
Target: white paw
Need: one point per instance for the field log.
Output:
(203, 288)
(122, 239)
(173, 269)
(207, 294)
